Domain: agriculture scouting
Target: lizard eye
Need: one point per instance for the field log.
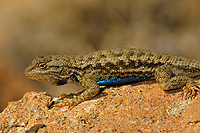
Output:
(42, 65)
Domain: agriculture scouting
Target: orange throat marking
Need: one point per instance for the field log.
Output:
(43, 80)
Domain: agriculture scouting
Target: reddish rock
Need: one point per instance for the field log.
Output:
(144, 107)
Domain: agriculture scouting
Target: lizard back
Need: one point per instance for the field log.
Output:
(125, 62)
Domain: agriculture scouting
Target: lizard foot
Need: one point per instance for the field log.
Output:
(65, 102)
(191, 88)
(71, 95)
(71, 99)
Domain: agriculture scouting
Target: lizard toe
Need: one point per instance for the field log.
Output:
(60, 103)
(64, 102)
(191, 90)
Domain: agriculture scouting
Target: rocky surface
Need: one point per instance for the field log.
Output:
(144, 107)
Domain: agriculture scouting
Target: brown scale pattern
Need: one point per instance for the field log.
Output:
(170, 71)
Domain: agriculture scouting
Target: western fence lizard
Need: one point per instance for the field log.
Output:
(111, 67)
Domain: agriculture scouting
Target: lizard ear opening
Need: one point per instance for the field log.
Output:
(62, 82)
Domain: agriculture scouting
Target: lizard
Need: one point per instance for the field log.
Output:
(111, 67)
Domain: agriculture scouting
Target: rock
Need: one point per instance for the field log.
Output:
(144, 107)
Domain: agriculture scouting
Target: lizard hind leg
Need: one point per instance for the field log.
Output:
(168, 80)
(90, 89)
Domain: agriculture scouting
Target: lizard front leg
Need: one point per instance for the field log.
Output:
(91, 89)
(168, 80)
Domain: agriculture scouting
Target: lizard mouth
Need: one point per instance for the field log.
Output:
(32, 76)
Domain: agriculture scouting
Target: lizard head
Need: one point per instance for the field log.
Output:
(51, 69)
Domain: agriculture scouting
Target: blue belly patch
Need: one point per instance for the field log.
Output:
(120, 81)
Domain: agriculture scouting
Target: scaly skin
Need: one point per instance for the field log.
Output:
(171, 72)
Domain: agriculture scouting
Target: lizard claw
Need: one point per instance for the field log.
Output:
(60, 103)
(64, 102)
(191, 88)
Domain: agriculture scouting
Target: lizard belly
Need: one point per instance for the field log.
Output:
(120, 81)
